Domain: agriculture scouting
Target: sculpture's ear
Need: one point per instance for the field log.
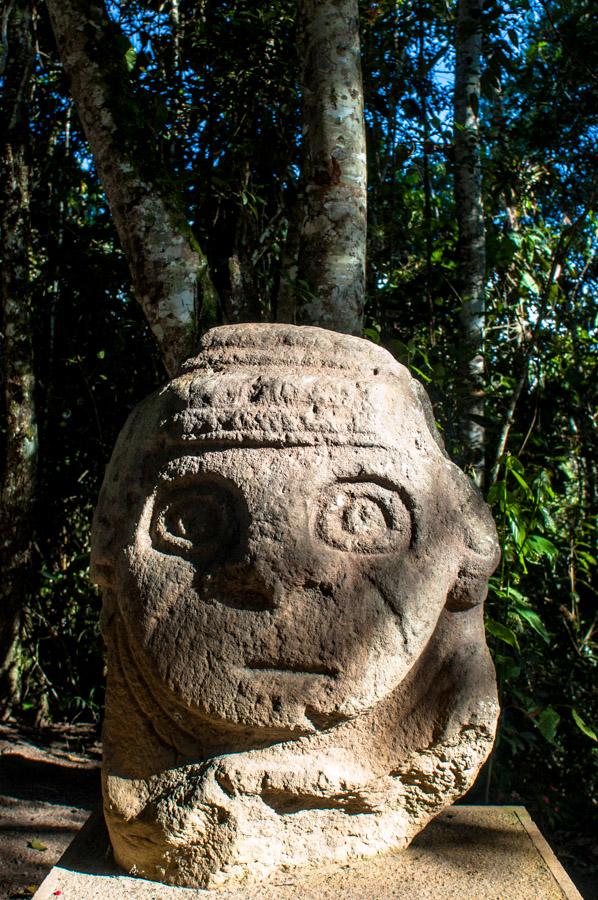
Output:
(480, 549)
(470, 587)
(480, 559)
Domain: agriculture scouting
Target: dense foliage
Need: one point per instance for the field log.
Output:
(218, 87)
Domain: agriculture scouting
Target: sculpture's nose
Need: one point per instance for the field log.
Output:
(244, 586)
(271, 558)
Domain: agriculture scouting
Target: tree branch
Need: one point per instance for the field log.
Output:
(169, 272)
(564, 242)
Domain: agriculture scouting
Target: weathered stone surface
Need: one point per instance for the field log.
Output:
(293, 575)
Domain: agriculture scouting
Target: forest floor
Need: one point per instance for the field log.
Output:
(50, 783)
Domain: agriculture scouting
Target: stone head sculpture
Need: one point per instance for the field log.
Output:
(293, 575)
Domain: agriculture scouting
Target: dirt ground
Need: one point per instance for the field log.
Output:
(50, 783)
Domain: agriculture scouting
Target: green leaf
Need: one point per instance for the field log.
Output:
(494, 493)
(500, 631)
(513, 593)
(514, 463)
(508, 667)
(589, 732)
(547, 723)
(528, 282)
(130, 58)
(533, 619)
(515, 238)
(521, 481)
(373, 334)
(36, 845)
(421, 374)
(542, 546)
(516, 527)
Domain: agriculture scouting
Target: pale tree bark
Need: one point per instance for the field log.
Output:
(472, 236)
(17, 490)
(169, 271)
(332, 256)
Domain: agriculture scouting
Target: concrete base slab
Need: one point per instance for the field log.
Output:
(481, 852)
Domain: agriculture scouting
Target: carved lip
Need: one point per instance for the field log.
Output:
(311, 670)
(247, 601)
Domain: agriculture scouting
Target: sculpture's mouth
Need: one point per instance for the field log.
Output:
(281, 667)
(247, 601)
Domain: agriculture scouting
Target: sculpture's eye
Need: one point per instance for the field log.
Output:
(364, 517)
(196, 521)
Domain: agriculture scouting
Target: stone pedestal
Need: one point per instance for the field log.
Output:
(487, 853)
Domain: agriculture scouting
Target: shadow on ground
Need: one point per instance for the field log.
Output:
(49, 785)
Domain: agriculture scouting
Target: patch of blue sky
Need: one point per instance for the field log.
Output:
(139, 24)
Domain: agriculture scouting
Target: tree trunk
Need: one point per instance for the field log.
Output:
(169, 271)
(332, 256)
(18, 379)
(472, 236)
(423, 89)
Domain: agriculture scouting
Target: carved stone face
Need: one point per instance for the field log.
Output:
(292, 573)
(292, 533)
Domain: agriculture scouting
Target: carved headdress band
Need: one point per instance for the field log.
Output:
(243, 391)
